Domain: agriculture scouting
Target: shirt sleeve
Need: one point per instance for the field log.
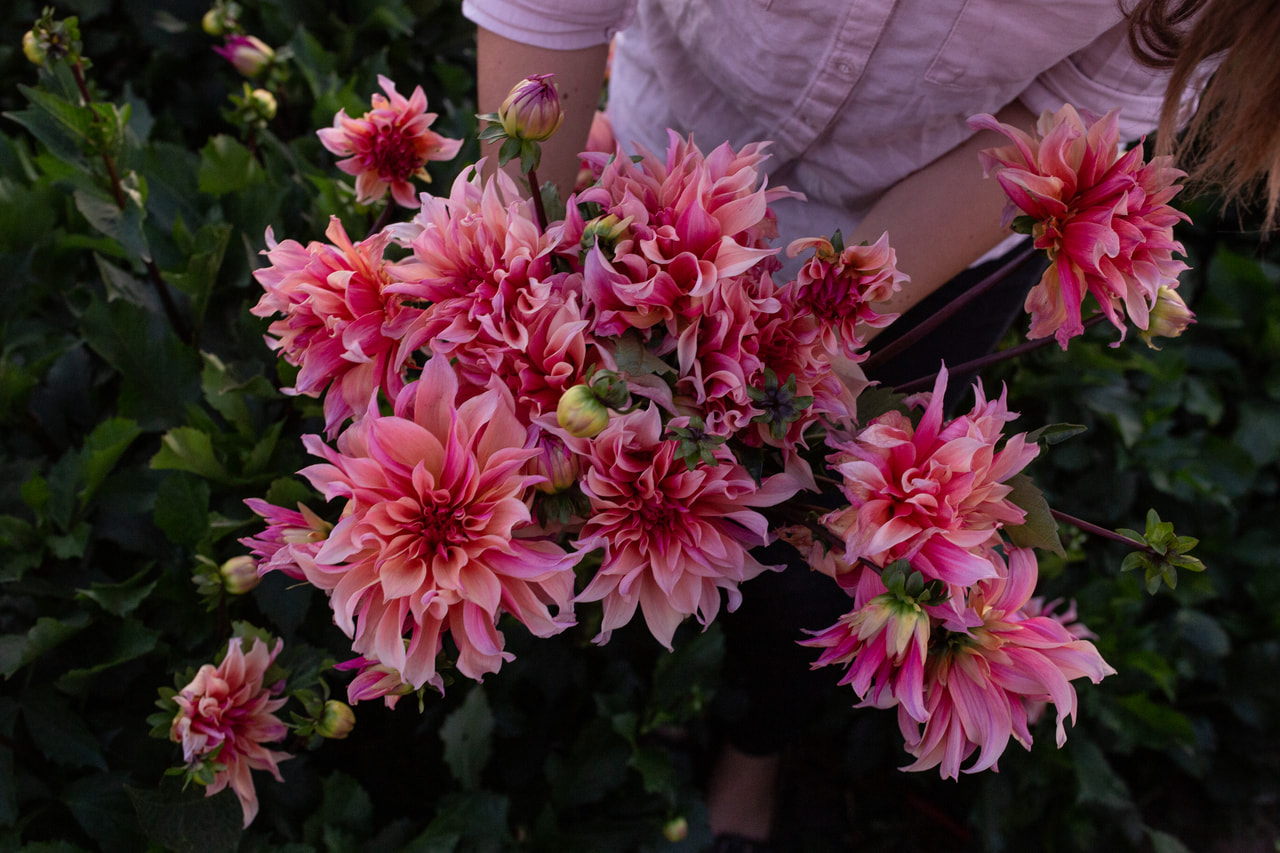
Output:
(552, 24)
(1100, 77)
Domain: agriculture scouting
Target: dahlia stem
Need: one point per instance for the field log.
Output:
(535, 189)
(117, 193)
(383, 220)
(987, 360)
(1095, 530)
(920, 331)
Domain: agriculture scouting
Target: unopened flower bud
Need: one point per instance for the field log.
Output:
(557, 463)
(532, 110)
(675, 830)
(1169, 318)
(249, 54)
(611, 389)
(605, 230)
(337, 720)
(33, 49)
(213, 23)
(264, 103)
(581, 413)
(239, 574)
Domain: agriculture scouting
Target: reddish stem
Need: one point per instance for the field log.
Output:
(536, 190)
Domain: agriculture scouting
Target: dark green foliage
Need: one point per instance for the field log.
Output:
(131, 432)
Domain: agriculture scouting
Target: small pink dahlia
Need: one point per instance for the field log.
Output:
(1103, 216)
(435, 536)
(227, 709)
(672, 537)
(389, 145)
(983, 685)
(932, 493)
(337, 320)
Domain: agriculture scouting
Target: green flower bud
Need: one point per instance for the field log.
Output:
(33, 49)
(263, 103)
(581, 413)
(239, 574)
(675, 830)
(337, 720)
(1169, 318)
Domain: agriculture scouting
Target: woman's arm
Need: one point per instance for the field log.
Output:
(943, 217)
(579, 75)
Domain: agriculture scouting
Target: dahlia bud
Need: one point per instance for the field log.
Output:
(249, 54)
(239, 574)
(263, 103)
(532, 110)
(212, 23)
(33, 49)
(676, 830)
(337, 720)
(557, 463)
(581, 413)
(1169, 318)
(605, 231)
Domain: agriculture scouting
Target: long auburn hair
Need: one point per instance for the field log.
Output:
(1232, 142)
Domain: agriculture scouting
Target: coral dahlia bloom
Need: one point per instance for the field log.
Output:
(1102, 215)
(337, 321)
(227, 709)
(839, 288)
(931, 494)
(435, 535)
(672, 537)
(389, 145)
(982, 684)
(292, 538)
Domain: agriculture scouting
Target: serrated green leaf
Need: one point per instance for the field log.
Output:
(61, 125)
(18, 650)
(188, 821)
(123, 226)
(1038, 530)
(58, 732)
(182, 508)
(226, 166)
(102, 450)
(120, 599)
(1052, 434)
(189, 449)
(467, 734)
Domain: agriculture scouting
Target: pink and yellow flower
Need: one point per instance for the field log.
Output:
(435, 535)
(1103, 216)
(672, 538)
(290, 541)
(981, 684)
(338, 321)
(226, 715)
(389, 145)
(933, 493)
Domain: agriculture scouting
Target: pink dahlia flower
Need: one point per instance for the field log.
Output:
(931, 494)
(693, 220)
(672, 537)
(435, 535)
(1102, 215)
(337, 320)
(980, 684)
(389, 145)
(228, 711)
(840, 289)
(292, 538)
(883, 644)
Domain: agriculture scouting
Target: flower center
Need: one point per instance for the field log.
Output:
(395, 156)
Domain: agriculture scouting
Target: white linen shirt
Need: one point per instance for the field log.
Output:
(856, 95)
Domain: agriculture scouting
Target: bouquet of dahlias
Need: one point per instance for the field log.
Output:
(633, 392)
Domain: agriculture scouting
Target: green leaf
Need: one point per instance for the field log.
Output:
(123, 226)
(122, 284)
(61, 125)
(188, 821)
(226, 166)
(1052, 434)
(58, 732)
(18, 650)
(189, 449)
(130, 641)
(656, 771)
(182, 508)
(1038, 530)
(1097, 782)
(468, 739)
(100, 805)
(102, 450)
(198, 279)
(119, 599)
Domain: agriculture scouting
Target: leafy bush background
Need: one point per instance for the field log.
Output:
(126, 453)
